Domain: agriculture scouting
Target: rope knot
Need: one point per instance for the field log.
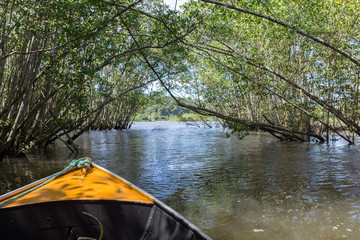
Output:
(81, 162)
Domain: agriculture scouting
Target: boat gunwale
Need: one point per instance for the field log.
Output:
(134, 187)
(163, 206)
(78, 201)
(109, 174)
(19, 190)
(155, 201)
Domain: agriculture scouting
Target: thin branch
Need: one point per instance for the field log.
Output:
(149, 64)
(85, 37)
(280, 96)
(348, 122)
(287, 25)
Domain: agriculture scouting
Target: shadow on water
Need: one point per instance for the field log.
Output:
(257, 188)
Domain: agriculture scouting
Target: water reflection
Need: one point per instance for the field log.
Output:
(257, 188)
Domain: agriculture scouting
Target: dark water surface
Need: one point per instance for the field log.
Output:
(257, 188)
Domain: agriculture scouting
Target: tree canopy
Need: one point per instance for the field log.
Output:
(290, 68)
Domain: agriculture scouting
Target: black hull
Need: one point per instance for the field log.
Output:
(65, 220)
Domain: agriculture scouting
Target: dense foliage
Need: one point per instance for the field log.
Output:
(160, 107)
(68, 66)
(287, 67)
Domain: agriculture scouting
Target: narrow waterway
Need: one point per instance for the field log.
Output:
(256, 188)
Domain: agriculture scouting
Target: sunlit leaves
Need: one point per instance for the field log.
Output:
(86, 54)
(238, 44)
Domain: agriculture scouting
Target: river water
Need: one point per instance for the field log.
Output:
(256, 188)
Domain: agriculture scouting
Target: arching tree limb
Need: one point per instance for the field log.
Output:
(234, 53)
(287, 25)
(288, 134)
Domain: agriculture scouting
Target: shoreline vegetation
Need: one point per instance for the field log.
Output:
(289, 68)
(162, 108)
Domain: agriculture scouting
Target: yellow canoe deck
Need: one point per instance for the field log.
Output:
(92, 183)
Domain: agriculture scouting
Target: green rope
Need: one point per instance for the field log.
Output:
(80, 163)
